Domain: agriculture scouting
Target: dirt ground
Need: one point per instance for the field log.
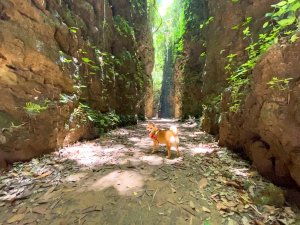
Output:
(115, 180)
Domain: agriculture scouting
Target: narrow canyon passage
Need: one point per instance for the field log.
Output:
(116, 180)
(80, 79)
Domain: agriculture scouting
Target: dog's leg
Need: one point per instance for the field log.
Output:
(169, 151)
(155, 147)
(177, 149)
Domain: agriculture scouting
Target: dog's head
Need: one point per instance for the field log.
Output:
(151, 127)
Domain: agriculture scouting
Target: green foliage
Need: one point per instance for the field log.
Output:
(34, 108)
(138, 6)
(64, 58)
(65, 99)
(281, 24)
(86, 60)
(203, 54)
(169, 35)
(123, 27)
(206, 222)
(279, 84)
(294, 38)
(207, 22)
(73, 29)
(84, 114)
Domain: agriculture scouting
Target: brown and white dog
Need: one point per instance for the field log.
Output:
(167, 137)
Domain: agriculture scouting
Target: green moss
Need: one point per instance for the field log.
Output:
(5, 119)
(123, 26)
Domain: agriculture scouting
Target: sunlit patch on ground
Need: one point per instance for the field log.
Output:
(126, 146)
(203, 149)
(152, 160)
(75, 177)
(125, 182)
(116, 180)
(244, 172)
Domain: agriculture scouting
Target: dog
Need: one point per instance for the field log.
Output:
(167, 137)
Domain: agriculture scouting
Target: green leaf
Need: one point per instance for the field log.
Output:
(268, 14)
(266, 24)
(287, 22)
(294, 38)
(280, 4)
(86, 60)
(73, 29)
(295, 6)
(236, 27)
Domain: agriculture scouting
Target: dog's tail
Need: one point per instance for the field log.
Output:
(174, 130)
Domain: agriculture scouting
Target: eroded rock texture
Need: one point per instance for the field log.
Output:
(267, 126)
(56, 55)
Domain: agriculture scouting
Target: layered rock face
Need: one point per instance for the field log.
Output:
(189, 67)
(167, 90)
(60, 61)
(266, 125)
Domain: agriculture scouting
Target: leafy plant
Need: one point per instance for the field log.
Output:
(138, 6)
(282, 22)
(34, 108)
(73, 29)
(103, 121)
(279, 84)
(123, 27)
(64, 98)
(63, 58)
(86, 60)
(207, 22)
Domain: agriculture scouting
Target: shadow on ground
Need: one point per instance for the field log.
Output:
(116, 180)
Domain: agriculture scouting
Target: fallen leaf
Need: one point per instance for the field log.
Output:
(40, 210)
(221, 206)
(192, 205)
(230, 204)
(231, 222)
(16, 218)
(202, 183)
(205, 209)
(44, 175)
(27, 221)
(215, 197)
(251, 191)
(245, 221)
(270, 209)
(234, 184)
(45, 198)
(257, 222)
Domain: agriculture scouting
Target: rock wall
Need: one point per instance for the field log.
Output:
(266, 125)
(62, 59)
(192, 62)
(167, 90)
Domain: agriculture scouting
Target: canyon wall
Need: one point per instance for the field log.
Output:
(66, 65)
(263, 120)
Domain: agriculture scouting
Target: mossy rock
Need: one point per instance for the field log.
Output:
(126, 120)
(269, 195)
(6, 120)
